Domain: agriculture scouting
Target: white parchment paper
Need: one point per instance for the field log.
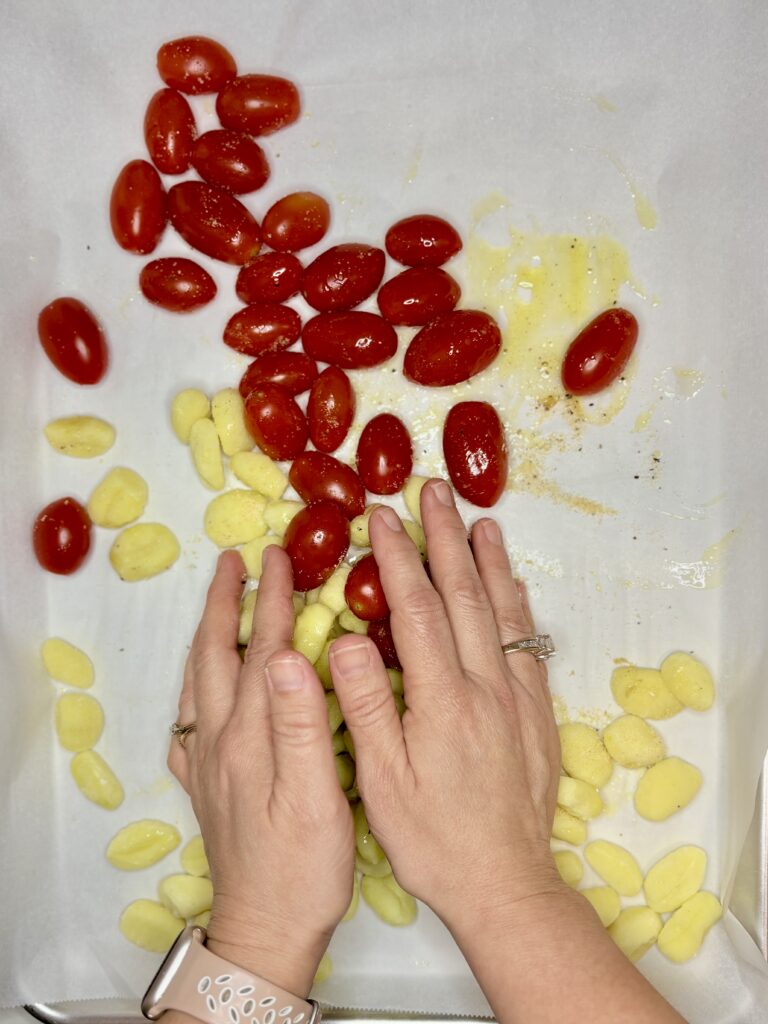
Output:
(406, 107)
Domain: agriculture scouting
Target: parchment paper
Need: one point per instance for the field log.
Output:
(406, 107)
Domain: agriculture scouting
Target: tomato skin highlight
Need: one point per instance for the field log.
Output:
(293, 371)
(380, 631)
(61, 536)
(176, 284)
(343, 276)
(316, 476)
(169, 131)
(317, 539)
(138, 209)
(258, 104)
(296, 221)
(363, 591)
(330, 409)
(271, 277)
(452, 348)
(352, 340)
(262, 327)
(599, 353)
(212, 221)
(276, 422)
(475, 452)
(417, 296)
(73, 340)
(195, 65)
(384, 454)
(422, 241)
(230, 160)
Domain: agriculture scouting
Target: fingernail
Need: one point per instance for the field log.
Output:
(285, 675)
(389, 517)
(491, 531)
(352, 660)
(442, 492)
(266, 554)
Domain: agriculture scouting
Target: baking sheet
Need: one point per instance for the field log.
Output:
(407, 107)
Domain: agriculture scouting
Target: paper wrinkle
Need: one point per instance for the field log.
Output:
(502, 103)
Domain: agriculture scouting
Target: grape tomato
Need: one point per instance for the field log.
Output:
(296, 221)
(169, 131)
(352, 340)
(363, 591)
(211, 220)
(316, 476)
(276, 422)
(61, 536)
(475, 452)
(195, 65)
(343, 276)
(271, 277)
(380, 631)
(262, 327)
(176, 284)
(258, 104)
(293, 371)
(317, 539)
(231, 160)
(330, 409)
(73, 340)
(599, 354)
(422, 241)
(417, 296)
(452, 348)
(384, 454)
(138, 209)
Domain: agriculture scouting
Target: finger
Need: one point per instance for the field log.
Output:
(455, 575)
(365, 695)
(215, 663)
(420, 628)
(178, 764)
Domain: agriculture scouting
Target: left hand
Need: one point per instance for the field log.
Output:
(260, 771)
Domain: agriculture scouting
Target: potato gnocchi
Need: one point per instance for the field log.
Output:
(96, 780)
(79, 721)
(605, 902)
(584, 755)
(205, 447)
(643, 692)
(257, 471)
(119, 499)
(150, 926)
(66, 663)
(391, 902)
(689, 681)
(189, 406)
(632, 742)
(143, 550)
(675, 878)
(141, 844)
(666, 787)
(228, 414)
(186, 895)
(235, 517)
(616, 866)
(681, 937)
(635, 930)
(80, 437)
(194, 860)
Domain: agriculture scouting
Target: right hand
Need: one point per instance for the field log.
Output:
(461, 793)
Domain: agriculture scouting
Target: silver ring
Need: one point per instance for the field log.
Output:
(540, 646)
(182, 731)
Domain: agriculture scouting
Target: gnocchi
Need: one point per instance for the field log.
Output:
(206, 453)
(632, 742)
(350, 622)
(235, 517)
(335, 717)
(332, 591)
(568, 827)
(605, 902)
(583, 754)
(252, 554)
(689, 681)
(569, 867)
(79, 721)
(186, 895)
(141, 844)
(96, 780)
(313, 624)
(257, 471)
(581, 799)
(635, 930)
(228, 414)
(194, 860)
(666, 787)
(189, 406)
(412, 496)
(143, 550)
(80, 437)
(682, 935)
(202, 920)
(66, 663)
(417, 535)
(150, 926)
(675, 878)
(358, 528)
(365, 842)
(616, 866)
(278, 515)
(323, 666)
(119, 499)
(345, 770)
(643, 692)
(378, 870)
(355, 901)
(246, 617)
(392, 903)
(324, 970)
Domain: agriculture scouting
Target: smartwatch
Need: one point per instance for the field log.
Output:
(195, 981)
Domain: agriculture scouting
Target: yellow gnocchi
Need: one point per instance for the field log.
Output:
(391, 902)
(207, 459)
(324, 970)
(228, 414)
(358, 528)
(119, 499)
(335, 717)
(579, 798)
(689, 681)
(350, 622)
(186, 895)
(141, 844)
(79, 721)
(355, 900)
(278, 514)
(412, 496)
(417, 535)
(235, 517)
(643, 692)
(365, 842)
(96, 780)
(569, 867)
(583, 754)
(252, 553)
(194, 860)
(635, 930)
(246, 617)
(66, 663)
(188, 406)
(568, 827)
(345, 770)
(257, 471)
(331, 594)
(380, 869)
(605, 902)
(681, 937)
(632, 742)
(311, 630)
(616, 866)
(150, 926)
(80, 437)
(675, 878)
(143, 550)
(666, 787)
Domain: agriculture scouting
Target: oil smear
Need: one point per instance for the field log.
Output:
(646, 215)
(709, 571)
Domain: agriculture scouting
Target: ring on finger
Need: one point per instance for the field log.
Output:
(540, 646)
(181, 732)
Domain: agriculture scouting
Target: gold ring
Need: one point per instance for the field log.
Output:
(540, 646)
(182, 731)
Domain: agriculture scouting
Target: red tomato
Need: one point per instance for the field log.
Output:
(476, 452)
(380, 632)
(363, 591)
(138, 209)
(453, 348)
(330, 409)
(316, 540)
(422, 241)
(214, 222)
(61, 536)
(258, 104)
(351, 340)
(271, 277)
(597, 356)
(169, 131)
(293, 371)
(276, 422)
(384, 454)
(262, 327)
(177, 284)
(73, 340)
(296, 221)
(417, 296)
(343, 276)
(319, 477)
(231, 160)
(195, 64)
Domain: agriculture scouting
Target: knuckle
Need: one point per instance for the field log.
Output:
(468, 594)
(511, 621)
(364, 708)
(420, 605)
(296, 728)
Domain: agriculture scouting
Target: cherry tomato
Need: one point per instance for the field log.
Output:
(61, 536)
(380, 632)
(271, 277)
(258, 104)
(138, 209)
(195, 64)
(293, 371)
(452, 348)
(213, 221)
(296, 221)
(422, 241)
(73, 340)
(231, 160)
(476, 452)
(598, 355)
(417, 296)
(363, 591)
(177, 284)
(384, 454)
(262, 327)
(343, 276)
(319, 477)
(276, 422)
(352, 340)
(169, 131)
(316, 540)
(330, 409)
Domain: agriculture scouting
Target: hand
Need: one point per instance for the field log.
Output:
(259, 769)
(461, 794)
